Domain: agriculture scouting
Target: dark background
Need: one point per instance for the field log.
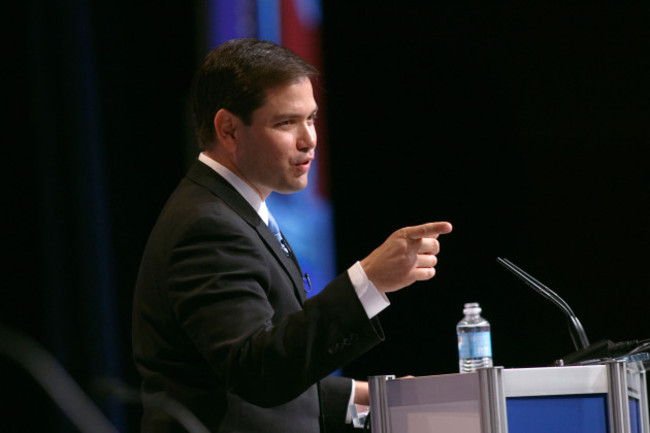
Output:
(524, 125)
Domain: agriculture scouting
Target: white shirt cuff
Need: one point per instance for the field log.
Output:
(373, 300)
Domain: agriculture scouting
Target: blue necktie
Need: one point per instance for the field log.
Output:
(276, 232)
(273, 226)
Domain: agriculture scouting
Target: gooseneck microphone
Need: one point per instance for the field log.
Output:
(71, 399)
(585, 352)
(106, 388)
(58, 384)
(576, 330)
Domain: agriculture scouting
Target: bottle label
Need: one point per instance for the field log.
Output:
(475, 345)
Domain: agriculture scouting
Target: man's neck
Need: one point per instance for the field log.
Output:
(229, 164)
(244, 188)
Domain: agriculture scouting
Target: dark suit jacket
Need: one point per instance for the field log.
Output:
(222, 325)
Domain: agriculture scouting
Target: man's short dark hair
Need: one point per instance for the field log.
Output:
(236, 76)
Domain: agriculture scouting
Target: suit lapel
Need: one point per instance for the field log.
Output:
(204, 175)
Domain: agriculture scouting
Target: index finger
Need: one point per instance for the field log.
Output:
(428, 230)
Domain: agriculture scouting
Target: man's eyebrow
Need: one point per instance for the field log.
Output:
(292, 115)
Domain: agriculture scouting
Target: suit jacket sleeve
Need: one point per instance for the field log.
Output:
(335, 395)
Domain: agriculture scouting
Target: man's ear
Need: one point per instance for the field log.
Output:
(225, 126)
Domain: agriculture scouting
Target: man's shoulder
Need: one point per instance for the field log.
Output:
(191, 202)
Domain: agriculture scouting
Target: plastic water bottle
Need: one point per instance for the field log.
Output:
(474, 340)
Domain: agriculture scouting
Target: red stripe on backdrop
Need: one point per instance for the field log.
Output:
(304, 38)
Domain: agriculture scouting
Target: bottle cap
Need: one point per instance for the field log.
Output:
(472, 308)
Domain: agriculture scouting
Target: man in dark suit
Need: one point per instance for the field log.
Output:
(221, 322)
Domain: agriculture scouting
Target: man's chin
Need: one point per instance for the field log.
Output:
(290, 189)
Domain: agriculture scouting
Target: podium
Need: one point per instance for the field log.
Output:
(606, 398)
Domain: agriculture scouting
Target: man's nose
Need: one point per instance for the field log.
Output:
(307, 139)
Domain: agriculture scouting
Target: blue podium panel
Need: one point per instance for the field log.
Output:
(635, 416)
(558, 414)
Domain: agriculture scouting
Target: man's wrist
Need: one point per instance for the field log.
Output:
(373, 300)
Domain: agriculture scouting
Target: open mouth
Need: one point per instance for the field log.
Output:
(304, 164)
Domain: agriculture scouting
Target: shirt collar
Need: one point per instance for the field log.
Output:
(246, 191)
